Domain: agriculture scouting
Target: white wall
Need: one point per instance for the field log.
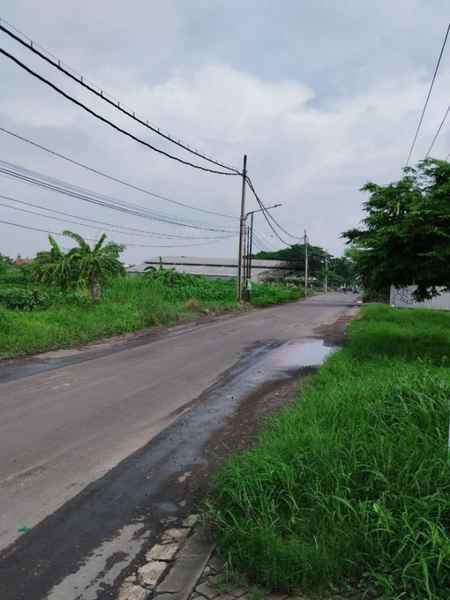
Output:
(403, 298)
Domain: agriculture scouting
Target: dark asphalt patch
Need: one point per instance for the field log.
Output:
(142, 489)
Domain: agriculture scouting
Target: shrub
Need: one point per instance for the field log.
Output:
(23, 298)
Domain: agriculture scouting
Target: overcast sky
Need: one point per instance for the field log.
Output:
(322, 96)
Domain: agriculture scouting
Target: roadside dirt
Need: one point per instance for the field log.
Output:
(239, 433)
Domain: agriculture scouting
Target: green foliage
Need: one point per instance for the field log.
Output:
(128, 304)
(53, 267)
(82, 266)
(23, 298)
(5, 263)
(93, 266)
(353, 481)
(295, 254)
(15, 275)
(7, 322)
(172, 278)
(340, 269)
(406, 234)
(185, 286)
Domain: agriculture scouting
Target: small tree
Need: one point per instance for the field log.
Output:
(81, 266)
(406, 235)
(53, 267)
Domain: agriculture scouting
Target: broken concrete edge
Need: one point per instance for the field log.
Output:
(173, 565)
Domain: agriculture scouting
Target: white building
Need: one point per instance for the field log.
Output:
(403, 298)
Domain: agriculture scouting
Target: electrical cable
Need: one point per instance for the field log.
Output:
(59, 186)
(113, 178)
(30, 228)
(107, 121)
(58, 64)
(264, 211)
(428, 96)
(436, 135)
(109, 226)
(158, 215)
(271, 217)
(114, 205)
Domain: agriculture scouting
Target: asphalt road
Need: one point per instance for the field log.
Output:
(65, 427)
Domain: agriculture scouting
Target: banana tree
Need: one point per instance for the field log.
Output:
(53, 267)
(94, 265)
(81, 266)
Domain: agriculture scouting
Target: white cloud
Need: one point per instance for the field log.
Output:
(310, 145)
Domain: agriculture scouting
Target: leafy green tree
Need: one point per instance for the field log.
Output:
(53, 267)
(405, 239)
(94, 265)
(340, 269)
(295, 255)
(81, 266)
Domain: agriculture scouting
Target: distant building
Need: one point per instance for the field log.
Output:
(22, 261)
(403, 298)
(213, 267)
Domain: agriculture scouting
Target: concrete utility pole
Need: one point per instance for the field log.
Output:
(241, 232)
(325, 286)
(249, 246)
(305, 242)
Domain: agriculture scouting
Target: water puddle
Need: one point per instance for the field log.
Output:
(281, 362)
(297, 355)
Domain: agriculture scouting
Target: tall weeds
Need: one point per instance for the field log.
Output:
(353, 481)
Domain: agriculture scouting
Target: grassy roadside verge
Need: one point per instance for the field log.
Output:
(128, 304)
(352, 482)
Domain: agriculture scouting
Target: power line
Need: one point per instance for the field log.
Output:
(62, 187)
(109, 226)
(273, 219)
(282, 228)
(58, 64)
(157, 215)
(113, 178)
(107, 121)
(30, 228)
(261, 243)
(428, 96)
(265, 212)
(436, 135)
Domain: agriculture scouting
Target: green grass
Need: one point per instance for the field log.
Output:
(353, 480)
(128, 304)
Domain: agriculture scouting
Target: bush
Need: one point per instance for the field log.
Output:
(23, 298)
